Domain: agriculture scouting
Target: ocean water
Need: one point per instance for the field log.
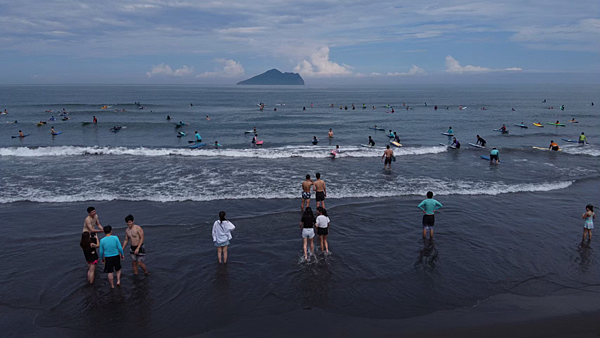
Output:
(514, 228)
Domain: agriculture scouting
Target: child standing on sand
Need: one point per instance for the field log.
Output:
(588, 224)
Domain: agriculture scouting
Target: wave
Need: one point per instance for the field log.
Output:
(417, 187)
(272, 153)
(582, 150)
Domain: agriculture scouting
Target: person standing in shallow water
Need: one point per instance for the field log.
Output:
(323, 228)
(588, 224)
(307, 224)
(429, 206)
(111, 254)
(89, 245)
(321, 191)
(221, 233)
(306, 185)
(137, 251)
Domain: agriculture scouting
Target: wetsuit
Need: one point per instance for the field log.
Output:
(554, 146)
(481, 142)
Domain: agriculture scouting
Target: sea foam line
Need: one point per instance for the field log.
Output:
(479, 188)
(278, 152)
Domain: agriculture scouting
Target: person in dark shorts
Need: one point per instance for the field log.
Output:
(306, 185)
(429, 206)
(321, 191)
(89, 245)
(111, 254)
(494, 156)
(323, 228)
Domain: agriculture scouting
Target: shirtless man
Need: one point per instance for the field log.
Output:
(321, 192)
(330, 133)
(306, 185)
(136, 249)
(388, 154)
(92, 221)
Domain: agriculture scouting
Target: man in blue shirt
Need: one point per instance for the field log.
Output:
(111, 254)
(429, 206)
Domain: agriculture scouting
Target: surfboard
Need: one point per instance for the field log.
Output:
(333, 153)
(573, 121)
(568, 140)
(463, 108)
(57, 133)
(197, 145)
(540, 148)
(521, 125)
(476, 145)
(181, 135)
(39, 124)
(501, 131)
(396, 144)
(376, 128)
(393, 158)
(556, 124)
(180, 124)
(538, 125)
(487, 158)
(447, 134)
(259, 143)
(249, 132)
(389, 112)
(366, 145)
(16, 136)
(85, 123)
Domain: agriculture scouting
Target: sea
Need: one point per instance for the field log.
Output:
(508, 241)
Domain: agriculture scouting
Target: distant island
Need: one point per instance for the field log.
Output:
(274, 77)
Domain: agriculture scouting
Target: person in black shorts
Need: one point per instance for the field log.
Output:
(321, 191)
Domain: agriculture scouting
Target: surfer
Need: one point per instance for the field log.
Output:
(168, 117)
(221, 234)
(435, 107)
(450, 131)
(207, 118)
(321, 191)
(306, 185)
(315, 140)
(181, 134)
(588, 224)
(573, 120)
(323, 228)
(337, 149)
(480, 141)
(217, 145)
(255, 139)
(429, 206)
(582, 139)
(388, 154)
(371, 142)
(197, 136)
(307, 224)
(494, 156)
(455, 143)
(52, 118)
(52, 130)
(557, 122)
(303, 108)
(554, 146)
(330, 133)
(396, 137)
(503, 129)
(21, 135)
(95, 120)
(392, 110)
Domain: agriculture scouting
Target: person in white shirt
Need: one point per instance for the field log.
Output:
(323, 228)
(221, 233)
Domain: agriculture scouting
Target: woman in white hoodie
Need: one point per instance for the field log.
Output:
(221, 233)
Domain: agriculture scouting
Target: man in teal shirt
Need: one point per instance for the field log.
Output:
(494, 156)
(429, 206)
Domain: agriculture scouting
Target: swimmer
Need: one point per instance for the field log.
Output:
(371, 142)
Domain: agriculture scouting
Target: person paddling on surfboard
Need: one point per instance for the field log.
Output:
(480, 141)
(21, 135)
(371, 142)
(554, 146)
(455, 143)
(503, 129)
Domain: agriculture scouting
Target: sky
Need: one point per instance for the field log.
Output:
(326, 41)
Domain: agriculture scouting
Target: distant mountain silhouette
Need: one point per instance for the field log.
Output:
(274, 77)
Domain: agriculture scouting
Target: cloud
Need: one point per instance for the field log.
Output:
(165, 70)
(453, 66)
(580, 36)
(320, 65)
(230, 69)
(414, 70)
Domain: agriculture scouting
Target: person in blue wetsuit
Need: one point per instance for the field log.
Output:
(494, 156)
(111, 254)
(429, 206)
(197, 136)
(450, 131)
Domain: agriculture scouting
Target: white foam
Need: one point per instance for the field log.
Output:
(208, 151)
(186, 192)
(582, 150)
